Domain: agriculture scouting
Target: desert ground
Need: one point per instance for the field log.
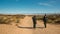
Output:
(26, 27)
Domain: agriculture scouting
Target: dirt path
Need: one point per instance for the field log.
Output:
(26, 28)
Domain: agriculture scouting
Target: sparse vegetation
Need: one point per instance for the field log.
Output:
(7, 19)
(53, 18)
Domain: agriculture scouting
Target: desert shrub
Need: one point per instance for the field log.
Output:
(7, 19)
(2, 20)
(57, 22)
(39, 18)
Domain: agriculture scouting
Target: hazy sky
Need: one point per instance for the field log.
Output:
(29, 6)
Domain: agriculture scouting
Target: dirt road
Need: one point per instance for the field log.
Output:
(25, 27)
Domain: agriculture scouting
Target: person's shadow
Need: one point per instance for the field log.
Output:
(30, 27)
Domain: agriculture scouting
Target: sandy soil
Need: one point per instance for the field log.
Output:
(25, 27)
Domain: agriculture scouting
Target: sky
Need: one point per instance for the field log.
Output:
(29, 6)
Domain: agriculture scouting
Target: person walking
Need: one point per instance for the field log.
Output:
(45, 20)
(34, 21)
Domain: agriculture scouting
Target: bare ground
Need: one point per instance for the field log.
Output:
(25, 27)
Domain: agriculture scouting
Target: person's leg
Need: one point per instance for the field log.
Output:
(34, 26)
(45, 24)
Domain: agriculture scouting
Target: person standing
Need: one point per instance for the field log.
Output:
(34, 21)
(45, 20)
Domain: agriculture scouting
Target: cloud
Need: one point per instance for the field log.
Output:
(48, 3)
(45, 4)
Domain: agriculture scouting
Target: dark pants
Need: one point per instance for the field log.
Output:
(34, 25)
(45, 24)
